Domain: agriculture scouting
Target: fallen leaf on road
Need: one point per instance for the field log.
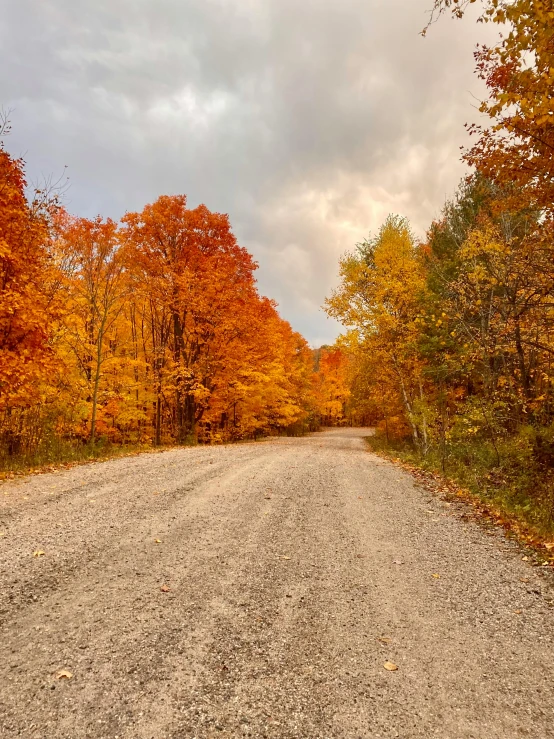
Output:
(64, 674)
(157, 541)
(282, 556)
(38, 553)
(518, 611)
(524, 579)
(436, 575)
(550, 545)
(525, 559)
(360, 556)
(390, 666)
(2, 533)
(384, 639)
(165, 588)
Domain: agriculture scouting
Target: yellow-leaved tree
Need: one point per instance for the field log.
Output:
(382, 283)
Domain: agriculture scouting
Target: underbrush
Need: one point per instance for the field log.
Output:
(507, 477)
(56, 452)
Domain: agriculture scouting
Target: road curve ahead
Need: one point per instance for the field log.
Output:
(258, 590)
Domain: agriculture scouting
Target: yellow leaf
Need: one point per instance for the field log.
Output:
(437, 576)
(38, 553)
(390, 666)
(158, 541)
(64, 674)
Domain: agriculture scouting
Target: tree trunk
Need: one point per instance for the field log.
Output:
(408, 407)
(425, 448)
(158, 439)
(99, 340)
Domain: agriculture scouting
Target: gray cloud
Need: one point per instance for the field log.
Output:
(306, 122)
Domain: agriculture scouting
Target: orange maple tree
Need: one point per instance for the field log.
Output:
(25, 313)
(197, 285)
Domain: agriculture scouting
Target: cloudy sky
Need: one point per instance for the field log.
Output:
(307, 121)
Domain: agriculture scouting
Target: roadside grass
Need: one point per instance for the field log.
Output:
(56, 454)
(518, 493)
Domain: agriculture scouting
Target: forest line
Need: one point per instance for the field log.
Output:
(450, 341)
(147, 331)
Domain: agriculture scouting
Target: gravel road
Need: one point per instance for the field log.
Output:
(258, 590)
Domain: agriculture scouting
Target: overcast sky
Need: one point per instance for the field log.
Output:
(307, 121)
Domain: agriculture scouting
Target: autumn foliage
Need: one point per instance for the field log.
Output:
(147, 331)
(24, 307)
(453, 338)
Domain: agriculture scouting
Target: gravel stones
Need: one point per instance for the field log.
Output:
(269, 607)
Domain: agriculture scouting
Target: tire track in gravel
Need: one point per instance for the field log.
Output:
(296, 568)
(71, 524)
(115, 608)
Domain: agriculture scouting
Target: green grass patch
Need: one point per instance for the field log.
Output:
(58, 453)
(520, 487)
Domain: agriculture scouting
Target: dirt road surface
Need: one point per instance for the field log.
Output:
(257, 590)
